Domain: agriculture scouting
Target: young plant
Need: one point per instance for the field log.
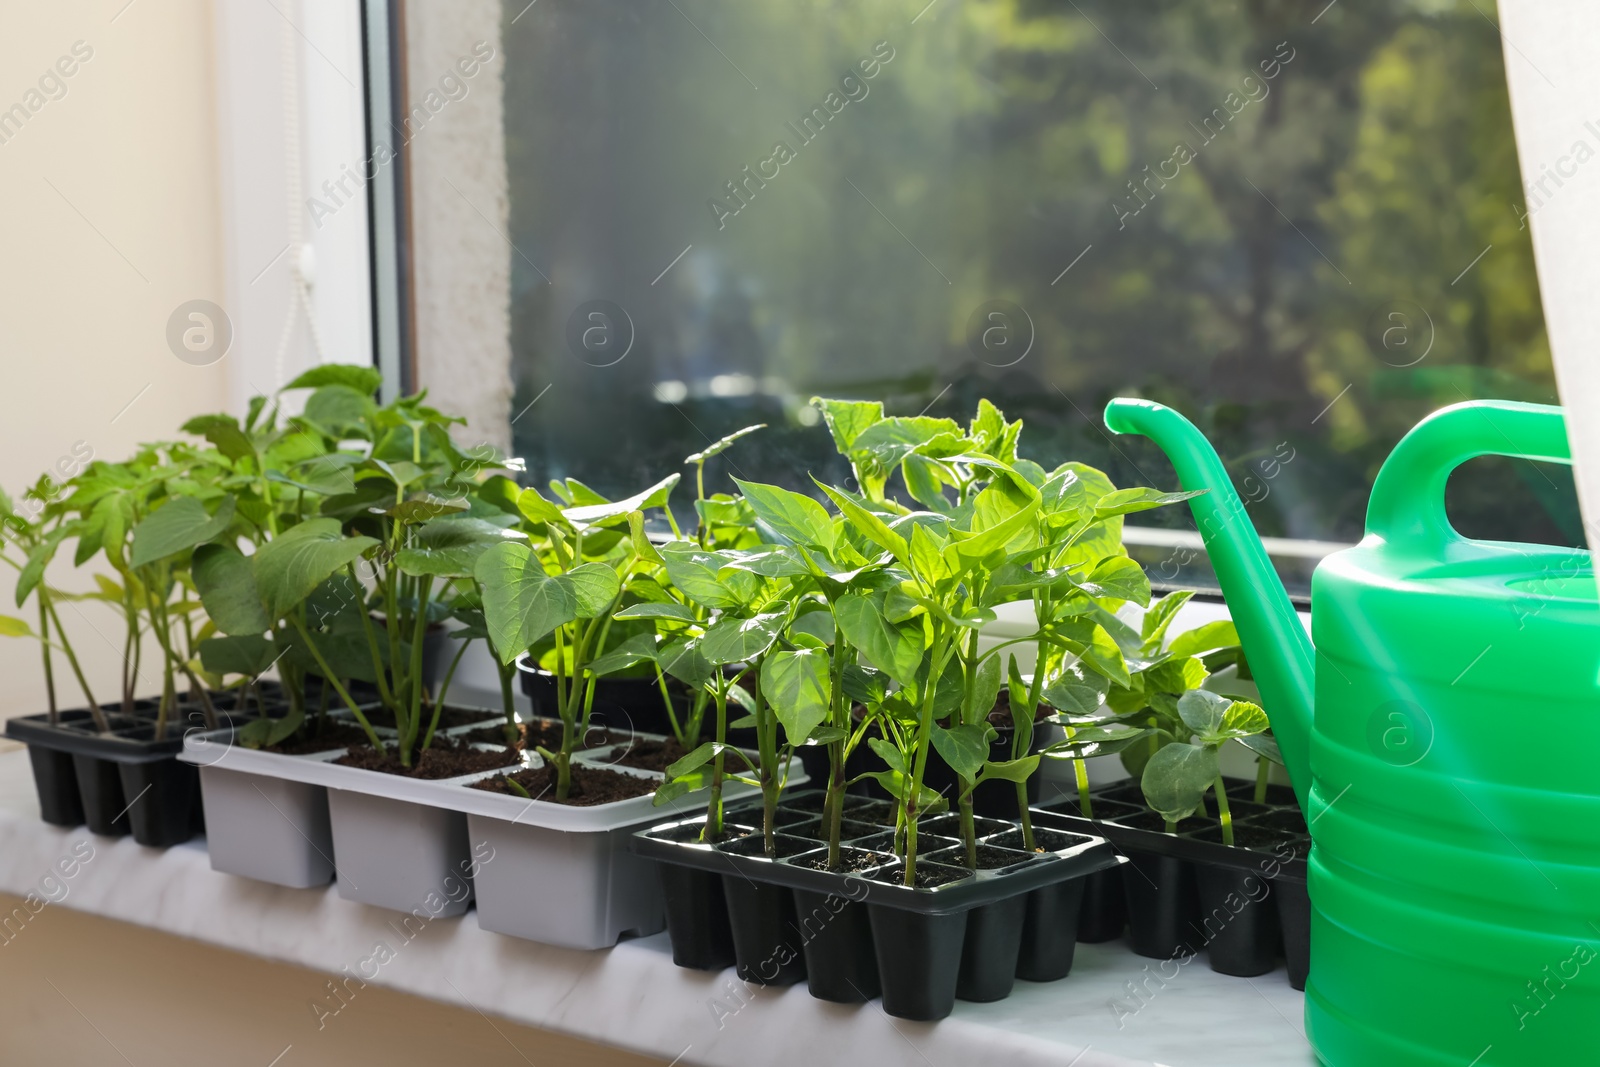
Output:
(565, 585)
(37, 539)
(1176, 778)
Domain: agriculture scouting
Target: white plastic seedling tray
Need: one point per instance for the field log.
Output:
(542, 871)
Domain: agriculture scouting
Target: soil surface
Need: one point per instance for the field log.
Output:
(1044, 840)
(851, 861)
(756, 845)
(648, 755)
(336, 735)
(451, 716)
(927, 877)
(590, 786)
(445, 758)
(1000, 714)
(539, 732)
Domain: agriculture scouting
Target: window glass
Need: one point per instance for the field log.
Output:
(1304, 230)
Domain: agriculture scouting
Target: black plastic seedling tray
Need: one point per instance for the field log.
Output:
(1182, 890)
(120, 782)
(964, 933)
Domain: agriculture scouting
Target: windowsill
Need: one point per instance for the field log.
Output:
(634, 997)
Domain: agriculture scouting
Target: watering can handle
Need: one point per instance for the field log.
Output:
(1406, 509)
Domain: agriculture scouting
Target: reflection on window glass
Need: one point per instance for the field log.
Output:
(1303, 230)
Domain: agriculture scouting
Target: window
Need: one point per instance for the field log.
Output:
(1302, 228)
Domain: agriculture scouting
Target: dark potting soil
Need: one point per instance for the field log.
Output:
(449, 717)
(990, 857)
(1288, 820)
(589, 785)
(1150, 820)
(812, 802)
(1254, 837)
(849, 830)
(1000, 714)
(783, 846)
(851, 861)
(445, 758)
(1044, 840)
(692, 833)
(647, 755)
(928, 876)
(335, 735)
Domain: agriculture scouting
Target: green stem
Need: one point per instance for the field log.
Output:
(714, 804)
(1081, 772)
(1222, 811)
(338, 686)
(384, 693)
(95, 711)
(44, 647)
(968, 829)
(941, 655)
(1263, 771)
(444, 690)
(413, 724)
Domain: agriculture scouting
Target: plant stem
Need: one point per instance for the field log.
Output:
(1263, 770)
(372, 638)
(413, 723)
(714, 805)
(969, 835)
(44, 647)
(1222, 811)
(941, 655)
(1081, 773)
(95, 710)
(327, 674)
(508, 704)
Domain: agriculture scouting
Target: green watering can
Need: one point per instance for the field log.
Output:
(1449, 763)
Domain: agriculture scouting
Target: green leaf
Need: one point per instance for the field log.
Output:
(226, 581)
(362, 379)
(1076, 691)
(32, 572)
(1215, 718)
(892, 757)
(450, 547)
(1015, 534)
(1015, 770)
(848, 419)
(693, 571)
(639, 648)
(698, 758)
(247, 654)
(1243, 719)
(535, 508)
(1160, 616)
(895, 650)
(1206, 638)
(521, 603)
(595, 587)
(867, 524)
(606, 514)
(927, 555)
(11, 626)
(1263, 744)
(792, 518)
(656, 611)
(1175, 675)
(865, 685)
(718, 447)
(223, 432)
(682, 660)
(1091, 741)
(965, 747)
(1176, 778)
(179, 524)
(800, 690)
(735, 640)
(338, 411)
(1120, 578)
(1128, 501)
(293, 564)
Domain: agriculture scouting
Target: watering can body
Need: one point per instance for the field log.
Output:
(1448, 764)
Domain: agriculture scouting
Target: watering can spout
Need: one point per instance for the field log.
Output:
(1274, 641)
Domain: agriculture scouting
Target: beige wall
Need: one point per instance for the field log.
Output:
(150, 998)
(109, 222)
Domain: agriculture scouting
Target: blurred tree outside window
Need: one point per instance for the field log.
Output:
(1300, 225)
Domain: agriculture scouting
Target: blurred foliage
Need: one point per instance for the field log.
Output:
(1301, 285)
